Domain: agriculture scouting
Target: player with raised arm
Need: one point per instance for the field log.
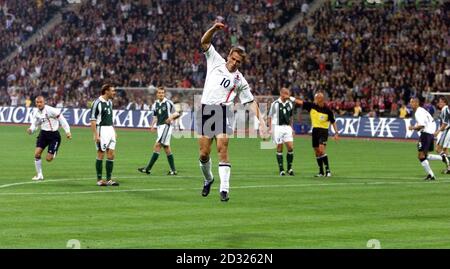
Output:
(426, 127)
(104, 134)
(223, 83)
(280, 126)
(48, 119)
(164, 111)
(321, 119)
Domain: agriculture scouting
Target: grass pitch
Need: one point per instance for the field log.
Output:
(376, 192)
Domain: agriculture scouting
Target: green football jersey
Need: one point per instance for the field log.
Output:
(281, 113)
(162, 110)
(102, 112)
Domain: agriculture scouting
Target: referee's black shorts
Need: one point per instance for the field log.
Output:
(213, 120)
(319, 137)
(52, 139)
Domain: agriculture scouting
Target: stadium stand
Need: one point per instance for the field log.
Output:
(374, 57)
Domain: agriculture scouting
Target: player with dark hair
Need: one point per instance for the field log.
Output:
(442, 135)
(104, 133)
(48, 119)
(426, 127)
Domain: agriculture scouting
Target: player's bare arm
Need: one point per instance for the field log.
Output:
(94, 131)
(262, 124)
(336, 131)
(298, 101)
(441, 129)
(269, 128)
(207, 37)
(173, 117)
(415, 128)
(65, 126)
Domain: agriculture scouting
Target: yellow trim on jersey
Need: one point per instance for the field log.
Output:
(319, 120)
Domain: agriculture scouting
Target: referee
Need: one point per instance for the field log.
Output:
(321, 118)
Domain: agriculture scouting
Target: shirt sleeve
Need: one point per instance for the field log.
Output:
(96, 106)
(245, 95)
(420, 118)
(272, 109)
(64, 123)
(35, 123)
(445, 116)
(153, 109)
(331, 116)
(172, 107)
(53, 112)
(307, 106)
(213, 58)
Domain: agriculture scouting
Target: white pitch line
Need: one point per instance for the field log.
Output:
(237, 187)
(181, 177)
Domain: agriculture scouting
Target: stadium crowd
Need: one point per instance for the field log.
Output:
(21, 18)
(368, 61)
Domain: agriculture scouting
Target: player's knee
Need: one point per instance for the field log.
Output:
(37, 156)
(49, 158)
(204, 157)
(422, 156)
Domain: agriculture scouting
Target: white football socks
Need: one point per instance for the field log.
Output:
(434, 157)
(426, 166)
(38, 165)
(224, 174)
(206, 170)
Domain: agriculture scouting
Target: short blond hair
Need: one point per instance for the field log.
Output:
(240, 51)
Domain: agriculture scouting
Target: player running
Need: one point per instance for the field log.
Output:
(48, 119)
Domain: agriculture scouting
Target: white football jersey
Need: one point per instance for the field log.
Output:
(424, 118)
(444, 117)
(221, 86)
(48, 119)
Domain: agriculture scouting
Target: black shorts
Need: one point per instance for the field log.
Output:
(426, 142)
(50, 139)
(213, 120)
(319, 137)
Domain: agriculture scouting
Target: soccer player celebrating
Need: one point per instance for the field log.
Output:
(104, 134)
(48, 119)
(443, 135)
(321, 118)
(165, 113)
(426, 127)
(223, 83)
(280, 117)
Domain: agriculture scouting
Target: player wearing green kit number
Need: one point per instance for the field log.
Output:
(104, 134)
(165, 113)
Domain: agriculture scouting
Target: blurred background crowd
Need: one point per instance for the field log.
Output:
(369, 60)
